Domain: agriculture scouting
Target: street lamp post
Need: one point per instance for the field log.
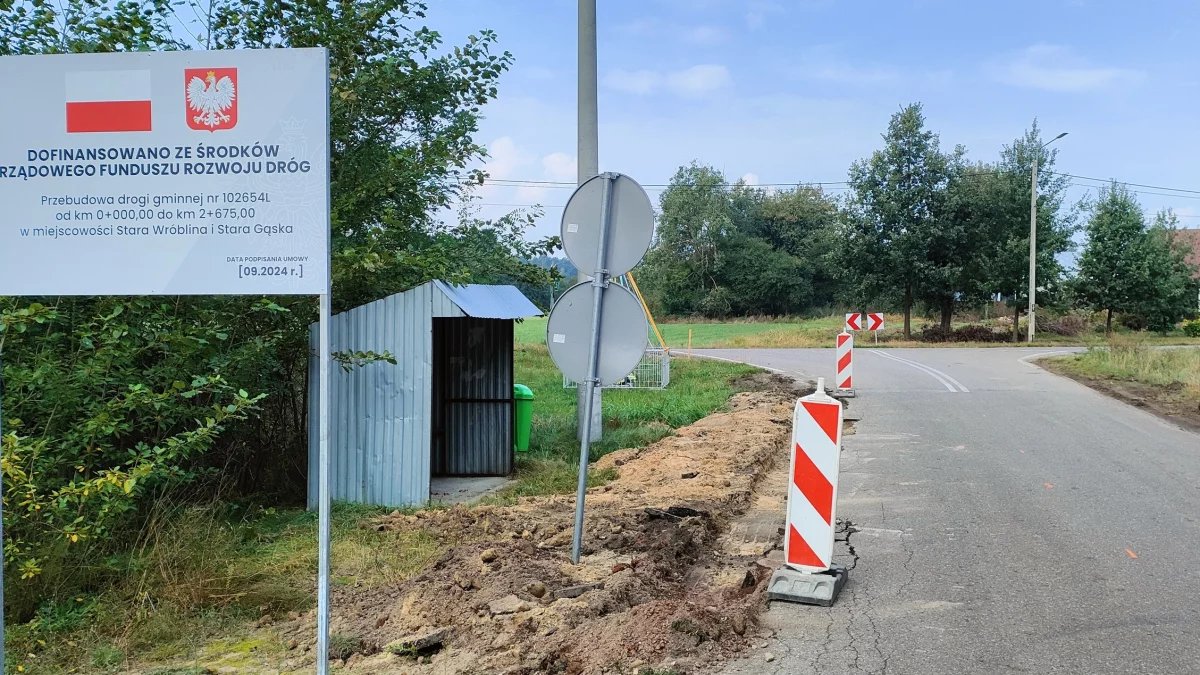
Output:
(1033, 237)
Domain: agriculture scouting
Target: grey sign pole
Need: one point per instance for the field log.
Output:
(599, 281)
(324, 501)
(324, 359)
(588, 167)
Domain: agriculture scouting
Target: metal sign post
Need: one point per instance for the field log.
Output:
(608, 223)
(324, 499)
(599, 282)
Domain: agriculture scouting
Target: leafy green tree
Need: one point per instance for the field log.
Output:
(763, 279)
(403, 113)
(1112, 267)
(1171, 286)
(40, 27)
(802, 223)
(1004, 201)
(695, 222)
(737, 249)
(897, 203)
(956, 242)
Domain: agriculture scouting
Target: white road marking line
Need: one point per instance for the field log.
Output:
(956, 383)
(1026, 359)
(745, 363)
(936, 374)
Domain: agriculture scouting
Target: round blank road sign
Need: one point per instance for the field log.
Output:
(623, 338)
(630, 228)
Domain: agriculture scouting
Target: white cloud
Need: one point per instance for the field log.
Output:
(640, 27)
(1059, 69)
(559, 166)
(505, 157)
(750, 179)
(705, 35)
(756, 18)
(698, 80)
(853, 75)
(633, 82)
(690, 82)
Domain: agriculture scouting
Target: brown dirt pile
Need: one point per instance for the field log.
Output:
(504, 589)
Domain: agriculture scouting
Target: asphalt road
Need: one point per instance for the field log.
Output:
(998, 511)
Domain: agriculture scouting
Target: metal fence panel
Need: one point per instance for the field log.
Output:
(653, 372)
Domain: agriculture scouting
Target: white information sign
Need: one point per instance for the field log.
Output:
(180, 173)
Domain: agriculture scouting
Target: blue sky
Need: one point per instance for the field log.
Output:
(787, 92)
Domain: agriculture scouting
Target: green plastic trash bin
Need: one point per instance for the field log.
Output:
(523, 402)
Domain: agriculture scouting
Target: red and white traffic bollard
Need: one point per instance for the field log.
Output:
(845, 365)
(810, 575)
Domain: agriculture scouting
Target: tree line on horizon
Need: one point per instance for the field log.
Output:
(920, 229)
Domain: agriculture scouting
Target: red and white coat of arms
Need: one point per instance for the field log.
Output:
(211, 98)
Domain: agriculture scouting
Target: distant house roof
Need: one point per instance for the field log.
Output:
(489, 302)
(1192, 239)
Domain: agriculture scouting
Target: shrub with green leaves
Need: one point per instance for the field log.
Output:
(107, 403)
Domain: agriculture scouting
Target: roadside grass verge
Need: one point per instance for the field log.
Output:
(788, 333)
(1137, 362)
(199, 575)
(1163, 381)
(632, 417)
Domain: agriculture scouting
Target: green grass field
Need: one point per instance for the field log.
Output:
(632, 417)
(796, 333)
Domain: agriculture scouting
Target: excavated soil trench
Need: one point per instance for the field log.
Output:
(671, 577)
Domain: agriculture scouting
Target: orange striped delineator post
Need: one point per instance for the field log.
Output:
(844, 383)
(810, 576)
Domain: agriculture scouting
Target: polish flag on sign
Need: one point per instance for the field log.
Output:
(108, 101)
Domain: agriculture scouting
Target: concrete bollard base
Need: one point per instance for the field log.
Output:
(820, 588)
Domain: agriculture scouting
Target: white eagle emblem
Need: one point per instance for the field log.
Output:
(210, 98)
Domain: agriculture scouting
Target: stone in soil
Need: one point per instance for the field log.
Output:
(509, 604)
(419, 642)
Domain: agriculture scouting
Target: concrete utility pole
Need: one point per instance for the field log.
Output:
(1033, 238)
(588, 163)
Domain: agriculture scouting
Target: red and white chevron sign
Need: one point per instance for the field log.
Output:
(812, 495)
(874, 321)
(845, 362)
(853, 321)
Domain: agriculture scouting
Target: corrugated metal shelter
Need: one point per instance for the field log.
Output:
(444, 409)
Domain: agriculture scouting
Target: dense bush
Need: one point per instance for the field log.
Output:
(977, 333)
(1192, 328)
(1070, 325)
(718, 303)
(937, 333)
(973, 333)
(110, 402)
